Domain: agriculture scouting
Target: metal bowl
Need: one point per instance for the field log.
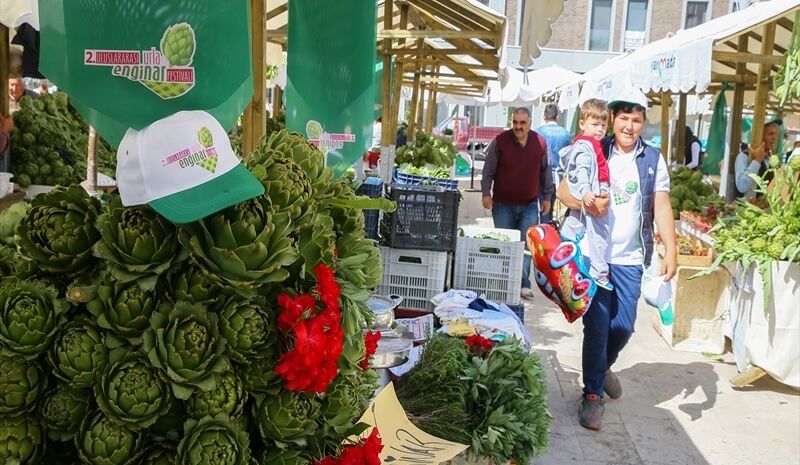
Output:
(391, 352)
(383, 310)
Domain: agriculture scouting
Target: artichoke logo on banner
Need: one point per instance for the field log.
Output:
(128, 63)
(167, 72)
(331, 77)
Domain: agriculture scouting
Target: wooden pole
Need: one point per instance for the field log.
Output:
(680, 131)
(4, 64)
(736, 122)
(762, 86)
(91, 161)
(386, 83)
(255, 118)
(415, 97)
(277, 95)
(398, 74)
(431, 116)
(665, 135)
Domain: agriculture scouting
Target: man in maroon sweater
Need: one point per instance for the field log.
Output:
(519, 168)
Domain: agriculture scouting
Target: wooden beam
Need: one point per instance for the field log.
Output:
(386, 82)
(428, 9)
(277, 96)
(412, 117)
(446, 52)
(451, 63)
(776, 48)
(680, 131)
(278, 10)
(4, 64)
(398, 75)
(736, 124)
(665, 102)
(747, 57)
(255, 118)
(734, 78)
(433, 34)
(455, 85)
(762, 89)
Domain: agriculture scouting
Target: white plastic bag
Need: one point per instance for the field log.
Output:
(658, 293)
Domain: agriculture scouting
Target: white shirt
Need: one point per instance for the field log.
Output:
(625, 211)
(376, 134)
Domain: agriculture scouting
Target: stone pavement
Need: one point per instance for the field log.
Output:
(678, 408)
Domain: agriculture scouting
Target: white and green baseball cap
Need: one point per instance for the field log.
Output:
(631, 96)
(184, 167)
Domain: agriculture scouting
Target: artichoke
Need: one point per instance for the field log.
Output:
(62, 410)
(77, 353)
(178, 44)
(289, 419)
(191, 284)
(184, 343)
(248, 327)
(124, 309)
(309, 157)
(243, 246)
(21, 382)
(228, 398)
(30, 313)
(20, 440)
(260, 378)
(160, 455)
(285, 183)
(131, 393)
(316, 243)
(101, 441)
(58, 232)
(213, 441)
(8, 258)
(205, 138)
(169, 427)
(137, 243)
(276, 456)
(794, 163)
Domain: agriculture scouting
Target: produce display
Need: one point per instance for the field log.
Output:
(755, 235)
(690, 193)
(428, 171)
(427, 149)
(49, 143)
(237, 339)
(491, 397)
(703, 222)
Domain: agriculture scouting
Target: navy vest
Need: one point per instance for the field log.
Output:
(646, 165)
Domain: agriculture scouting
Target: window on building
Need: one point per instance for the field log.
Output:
(521, 20)
(635, 25)
(696, 14)
(600, 25)
(737, 5)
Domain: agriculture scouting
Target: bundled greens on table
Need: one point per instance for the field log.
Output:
(127, 340)
(427, 149)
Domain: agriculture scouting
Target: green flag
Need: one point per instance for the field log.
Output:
(715, 145)
(128, 63)
(330, 76)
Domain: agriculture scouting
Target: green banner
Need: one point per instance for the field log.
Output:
(715, 145)
(330, 76)
(127, 63)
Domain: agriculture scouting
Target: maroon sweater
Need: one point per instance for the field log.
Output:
(521, 172)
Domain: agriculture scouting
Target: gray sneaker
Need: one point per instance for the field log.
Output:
(612, 386)
(591, 411)
(526, 293)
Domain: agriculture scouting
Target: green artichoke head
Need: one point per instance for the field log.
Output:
(213, 441)
(309, 157)
(277, 456)
(21, 383)
(30, 312)
(205, 138)
(160, 455)
(178, 44)
(130, 391)
(184, 343)
(191, 284)
(137, 243)
(244, 246)
(78, 352)
(102, 441)
(62, 411)
(249, 328)
(794, 163)
(124, 309)
(289, 419)
(21, 440)
(228, 398)
(286, 184)
(260, 378)
(58, 232)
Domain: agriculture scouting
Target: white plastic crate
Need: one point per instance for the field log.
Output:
(472, 231)
(490, 267)
(415, 275)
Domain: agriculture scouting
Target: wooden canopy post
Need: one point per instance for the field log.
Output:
(255, 119)
(680, 131)
(277, 97)
(665, 103)
(387, 138)
(415, 91)
(430, 120)
(736, 121)
(762, 85)
(4, 65)
(399, 70)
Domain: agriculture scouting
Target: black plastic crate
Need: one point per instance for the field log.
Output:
(426, 218)
(519, 310)
(372, 188)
